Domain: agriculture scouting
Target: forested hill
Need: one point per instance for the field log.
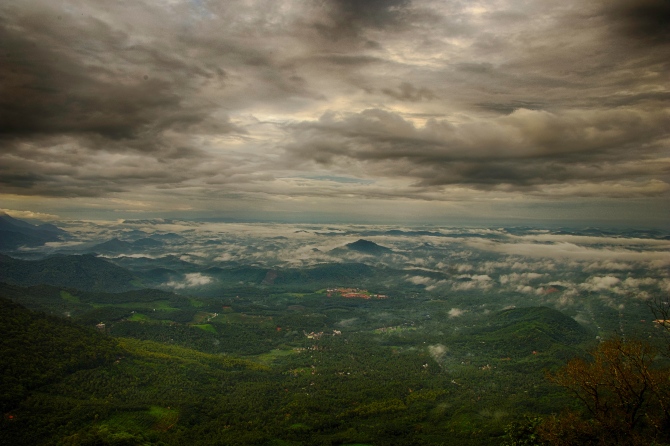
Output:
(15, 233)
(83, 272)
(37, 349)
(538, 327)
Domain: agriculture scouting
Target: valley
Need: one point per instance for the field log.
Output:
(260, 334)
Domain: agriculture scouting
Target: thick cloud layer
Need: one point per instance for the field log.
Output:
(560, 268)
(297, 107)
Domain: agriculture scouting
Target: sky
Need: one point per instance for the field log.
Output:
(396, 111)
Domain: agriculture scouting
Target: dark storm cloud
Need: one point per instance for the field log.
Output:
(270, 98)
(521, 151)
(66, 166)
(576, 113)
(54, 83)
(644, 20)
(76, 90)
(348, 18)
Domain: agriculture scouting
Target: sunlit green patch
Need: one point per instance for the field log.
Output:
(227, 318)
(137, 283)
(394, 330)
(241, 318)
(271, 356)
(172, 354)
(302, 371)
(206, 327)
(139, 317)
(202, 316)
(196, 303)
(155, 418)
(159, 305)
(135, 421)
(69, 297)
(297, 295)
(164, 418)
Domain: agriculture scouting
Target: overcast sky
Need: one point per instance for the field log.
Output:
(435, 111)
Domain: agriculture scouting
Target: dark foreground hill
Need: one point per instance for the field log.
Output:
(36, 349)
(69, 385)
(91, 307)
(85, 272)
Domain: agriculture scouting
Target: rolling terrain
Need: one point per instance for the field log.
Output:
(309, 337)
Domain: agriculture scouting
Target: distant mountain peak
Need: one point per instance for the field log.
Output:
(15, 233)
(48, 227)
(113, 245)
(8, 219)
(367, 247)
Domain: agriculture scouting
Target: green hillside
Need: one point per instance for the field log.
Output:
(541, 325)
(38, 349)
(72, 386)
(84, 272)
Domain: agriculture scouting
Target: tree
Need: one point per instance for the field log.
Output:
(660, 308)
(524, 433)
(626, 397)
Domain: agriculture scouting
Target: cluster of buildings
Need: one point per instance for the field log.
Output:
(354, 293)
(318, 335)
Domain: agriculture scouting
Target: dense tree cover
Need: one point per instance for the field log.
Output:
(84, 272)
(45, 298)
(357, 387)
(290, 366)
(97, 435)
(37, 349)
(237, 338)
(524, 432)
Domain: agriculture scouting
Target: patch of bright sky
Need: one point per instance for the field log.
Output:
(337, 179)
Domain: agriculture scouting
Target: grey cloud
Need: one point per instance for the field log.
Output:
(348, 17)
(525, 148)
(645, 20)
(78, 88)
(476, 68)
(344, 60)
(62, 87)
(222, 98)
(654, 99)
(408, 92)
(509, 107)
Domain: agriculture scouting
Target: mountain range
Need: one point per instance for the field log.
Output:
(16, 233)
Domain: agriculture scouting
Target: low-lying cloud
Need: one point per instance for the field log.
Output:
(191, 280)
